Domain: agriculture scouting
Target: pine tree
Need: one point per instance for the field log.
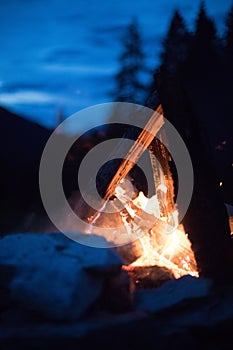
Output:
(176, 44)
(204, 49)
(229, 35)
(227, 85)
(174, 54)
(129, 79)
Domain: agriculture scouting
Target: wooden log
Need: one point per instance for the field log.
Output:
(143, 142)
(206, 220)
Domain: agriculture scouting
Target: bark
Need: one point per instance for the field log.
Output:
(206, 221)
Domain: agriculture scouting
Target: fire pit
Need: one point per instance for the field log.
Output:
(161, 242)
(146, 289)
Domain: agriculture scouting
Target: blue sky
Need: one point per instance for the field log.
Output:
(61, 56)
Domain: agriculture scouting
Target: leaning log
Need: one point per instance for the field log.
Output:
(206, 221)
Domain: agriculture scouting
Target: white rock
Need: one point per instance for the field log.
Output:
(52, 275)
(172, 294)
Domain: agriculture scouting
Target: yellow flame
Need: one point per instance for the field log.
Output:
(149, 205)
(165, 244)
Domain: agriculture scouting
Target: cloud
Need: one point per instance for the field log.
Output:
(26, 97)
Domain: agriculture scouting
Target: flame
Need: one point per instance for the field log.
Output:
(165, 243)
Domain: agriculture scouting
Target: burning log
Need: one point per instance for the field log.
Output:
(164, 243)
(143, 141)
(118, 171)
(153, 219)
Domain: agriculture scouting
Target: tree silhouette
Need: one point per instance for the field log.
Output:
(129, 79)
(174, 54)
(188, 85)
(229, 36)
(203, 51)
(176, 44)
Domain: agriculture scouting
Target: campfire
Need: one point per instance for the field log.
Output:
(152, 221)
(164, 242)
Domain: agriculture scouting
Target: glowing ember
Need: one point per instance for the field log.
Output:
(164, 243)
(231, 225)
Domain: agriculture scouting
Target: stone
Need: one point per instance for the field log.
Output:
(173, 294)
(54, 276)
(148, 277)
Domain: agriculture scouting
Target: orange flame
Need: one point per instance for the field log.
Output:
(165, 243)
